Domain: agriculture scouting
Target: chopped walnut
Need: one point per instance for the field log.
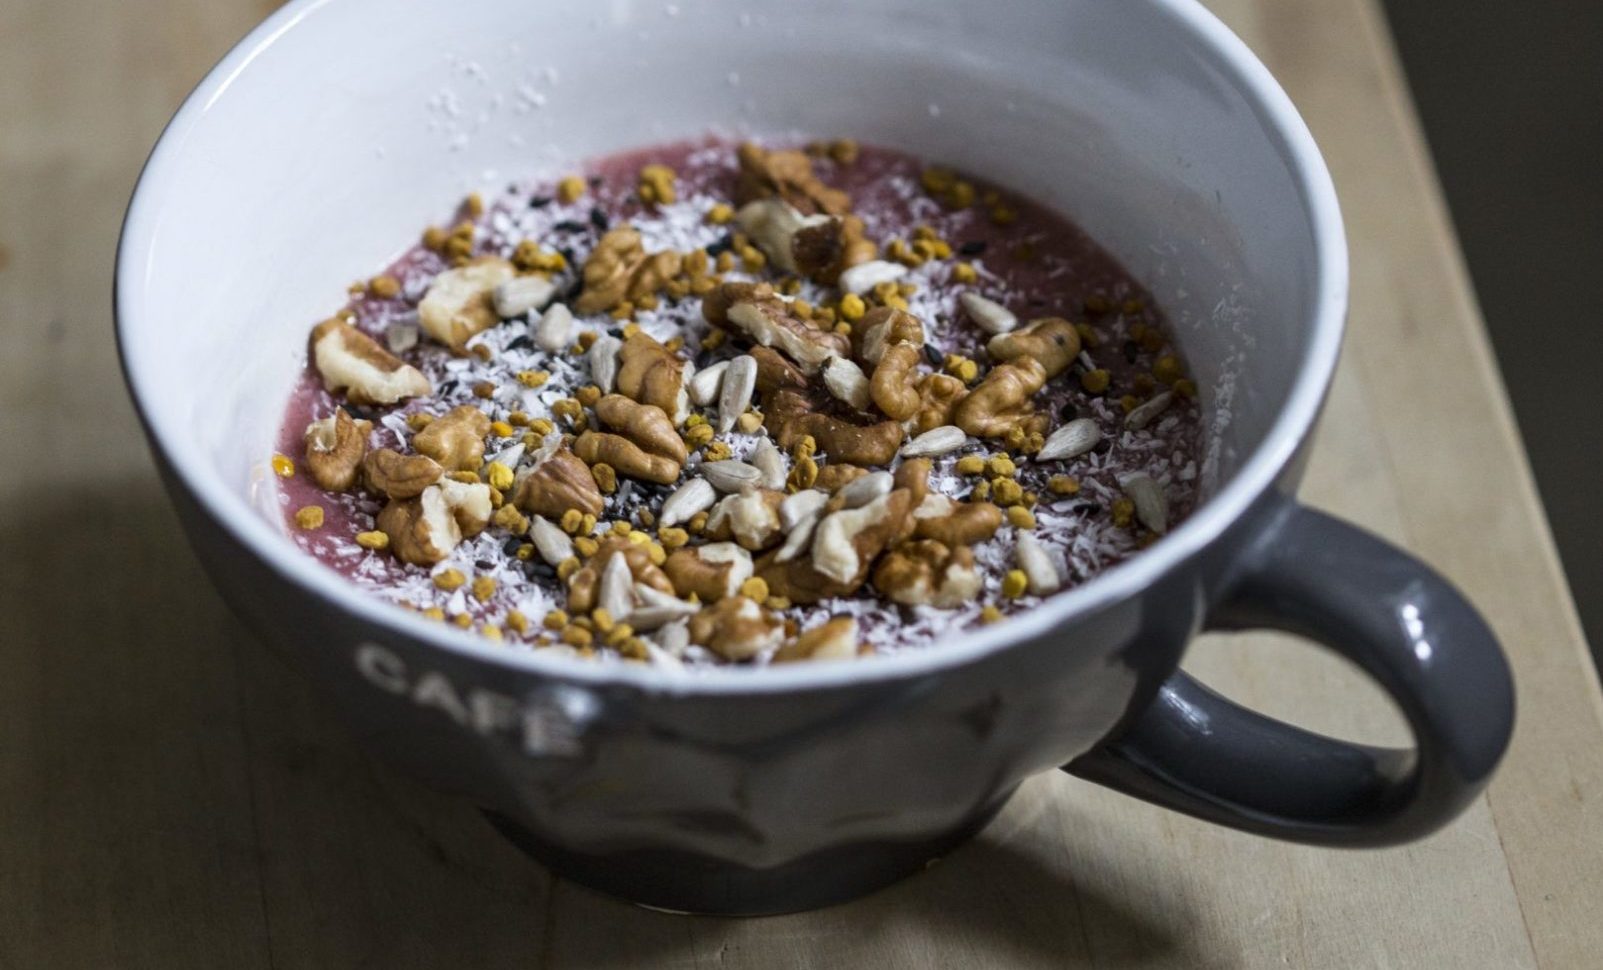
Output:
(351, 362)
(419, 534)
(710, 572)
(625, 457)
(399, 476)
(834, 639)
(768, 320)
(651, 374)
(845, 544)
(584, 585)
(619, 270)
(455, 439)
(751, 518)
(1002, 399)
(788, 175)
(792, 415)
(1052, 341)
(335, 447)
(555, 482)
(736, 628)
(647, 425)
(928, 573)
(460, 303)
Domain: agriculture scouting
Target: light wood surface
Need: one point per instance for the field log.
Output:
(171, 797)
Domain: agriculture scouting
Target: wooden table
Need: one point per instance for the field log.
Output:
(171, 797)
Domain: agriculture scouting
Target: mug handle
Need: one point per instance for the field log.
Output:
(1317, 577)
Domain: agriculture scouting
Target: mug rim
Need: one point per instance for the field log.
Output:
(229, 510)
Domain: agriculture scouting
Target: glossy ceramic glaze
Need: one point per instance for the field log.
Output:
(313, 151)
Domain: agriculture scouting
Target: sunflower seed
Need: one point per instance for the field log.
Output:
(740, 379)
(1151, 504)
(401, 336)
(797, 539)
(1142, 414)
(657, 608)
(1070, 441)
(555, 326)
(937, 441)
(510, 456)
(694, 496)
(674, 638)
(767, 459)
(730, 475)
(1037, 565)
(864, 489)
(704, 385)
(550, 542)
(520, 294)
(617, 593)
(988, 315)
(603, 358)
(847, 382)
(803, 505)
(865, 276)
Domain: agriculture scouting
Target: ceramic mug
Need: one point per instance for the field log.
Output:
(323, 141)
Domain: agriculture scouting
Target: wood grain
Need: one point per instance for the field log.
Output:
(171, 796)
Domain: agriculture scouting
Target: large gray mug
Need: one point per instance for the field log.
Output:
(310, 151)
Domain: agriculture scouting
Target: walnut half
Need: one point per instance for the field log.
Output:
(351, 362)
(335, 447)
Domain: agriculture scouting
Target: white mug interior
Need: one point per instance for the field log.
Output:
(318, 148)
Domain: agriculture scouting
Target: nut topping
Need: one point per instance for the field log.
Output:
(644, 424)
(710, 572)
(456, 439)
(400, 476)
(925, 572)
(556, 482)
(422, 531)
(460, 305)
(351, 362)
(835, 639)
(334, 450)
(652, 374)
(619, 270)
(736, 628)
(787, 175)
(519, 295)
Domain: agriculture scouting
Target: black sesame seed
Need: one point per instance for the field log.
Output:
(615, 332)
(1132, 350)
(599, 219)
(519, 342)
(933, 355)
(567, 253)
(510, 547)
(447, 387)
(483, 564)
(595, 181)
(720, 246)
(1102, 447)
(570, 225)
(360, 414)
(539, 201)
(973, 247)
(1069, 411)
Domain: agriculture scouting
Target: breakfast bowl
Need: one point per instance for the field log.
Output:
(318, 141)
